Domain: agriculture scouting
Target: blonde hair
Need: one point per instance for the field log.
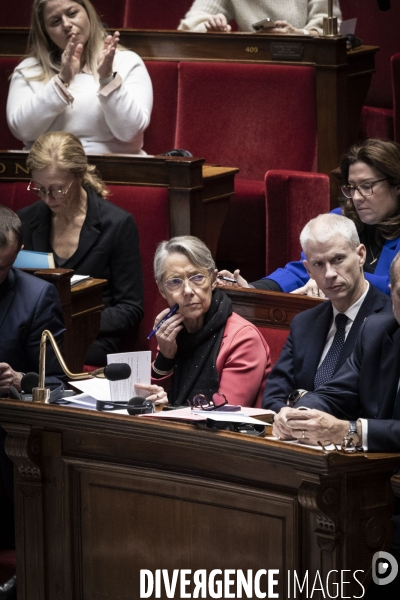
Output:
(65, 151)
(48, 55)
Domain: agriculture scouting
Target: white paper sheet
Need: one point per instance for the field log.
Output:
(97, 388)
(140, 363)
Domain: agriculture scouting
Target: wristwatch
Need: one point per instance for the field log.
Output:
(352, 439)
(295, 397)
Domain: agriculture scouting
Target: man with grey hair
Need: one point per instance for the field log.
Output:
(322, 338)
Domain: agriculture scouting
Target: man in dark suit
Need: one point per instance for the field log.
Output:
(360, 405)
(335, 260)
(28, 305)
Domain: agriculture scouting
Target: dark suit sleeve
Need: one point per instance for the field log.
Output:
(126, 282)
(47, 315)
(280, 382)
(340, 396)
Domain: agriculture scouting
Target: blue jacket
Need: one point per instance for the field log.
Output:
(294, 275)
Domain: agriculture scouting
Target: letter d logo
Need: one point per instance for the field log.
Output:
(380, 568)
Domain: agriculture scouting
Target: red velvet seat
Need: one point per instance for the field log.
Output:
(377, 28)
(149, 207)
(396, 95)
(7, 66)
(275, 339)
(156, 14)
(159, 137)
(293, 198)
(257, 118)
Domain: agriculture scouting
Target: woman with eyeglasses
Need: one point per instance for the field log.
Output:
(74, 220)
(371, 198)
(204, 347)
(76, 78)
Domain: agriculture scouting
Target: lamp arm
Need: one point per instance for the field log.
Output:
(42, 360)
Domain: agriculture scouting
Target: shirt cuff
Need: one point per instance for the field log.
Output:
(110, 87)
(364, 434)
(62, 90)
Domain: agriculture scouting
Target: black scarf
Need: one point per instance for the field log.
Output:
(195, 370)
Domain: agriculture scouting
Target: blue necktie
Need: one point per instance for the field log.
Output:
(327, 367)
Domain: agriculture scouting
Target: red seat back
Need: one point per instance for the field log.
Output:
(396, 95)
(149, 207)
(156, 14)
(160, 135)
(7, 66)
(255, 117)
(377, 28)
(275, 339)
(292, 199)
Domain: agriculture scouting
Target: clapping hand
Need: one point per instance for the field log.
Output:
(71, 60)
(106, 57)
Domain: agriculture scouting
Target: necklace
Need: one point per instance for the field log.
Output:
(374, 258)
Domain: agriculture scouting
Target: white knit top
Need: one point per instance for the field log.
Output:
(302, 14)
(112, 119)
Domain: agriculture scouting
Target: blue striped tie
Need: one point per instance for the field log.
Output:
(327, 367)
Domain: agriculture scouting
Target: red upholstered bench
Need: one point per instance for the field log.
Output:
(377, 28)
(258, 118)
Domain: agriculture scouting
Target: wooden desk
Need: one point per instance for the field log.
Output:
(342, 77)
(100, 496)
(269, 309)
(82, 306)
(199, 194)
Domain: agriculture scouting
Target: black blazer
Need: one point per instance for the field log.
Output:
(301, 353)
(366, 385)
(108, 249)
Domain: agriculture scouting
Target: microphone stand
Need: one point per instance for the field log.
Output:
(41, 394)
(330, 26)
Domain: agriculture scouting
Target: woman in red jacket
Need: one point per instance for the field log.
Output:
(204, 347)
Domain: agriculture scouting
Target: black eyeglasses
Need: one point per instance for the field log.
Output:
(218, 402)
(365, 189)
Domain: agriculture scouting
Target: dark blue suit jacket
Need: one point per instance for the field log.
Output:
(28, 305)
(301, 353)
(366, 385)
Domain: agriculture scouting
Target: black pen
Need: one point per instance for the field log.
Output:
(167, 316)
(227, 278)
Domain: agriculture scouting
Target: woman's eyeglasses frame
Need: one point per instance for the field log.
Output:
(351, 189)
(42, 193)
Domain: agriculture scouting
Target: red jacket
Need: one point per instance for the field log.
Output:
(243, 363)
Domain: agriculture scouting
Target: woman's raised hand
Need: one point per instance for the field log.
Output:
(106, 57)
(71, 60)
(166, 335)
